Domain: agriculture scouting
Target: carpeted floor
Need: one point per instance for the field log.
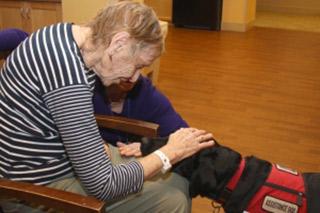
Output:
(310, 23)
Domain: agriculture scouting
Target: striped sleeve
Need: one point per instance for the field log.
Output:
(72, 110)
(47, 127)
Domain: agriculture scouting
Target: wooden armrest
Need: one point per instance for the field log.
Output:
(4, 54)
(49, 197)
(67, 201)
(128, 125)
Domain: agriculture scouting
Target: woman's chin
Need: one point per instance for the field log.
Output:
(126, 85)
(107, 82)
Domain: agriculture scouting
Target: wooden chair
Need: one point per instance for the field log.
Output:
(3, 56)
(67, 201)
(153, 70)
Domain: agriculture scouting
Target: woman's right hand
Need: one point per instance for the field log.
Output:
(181, 144)
(185, 142)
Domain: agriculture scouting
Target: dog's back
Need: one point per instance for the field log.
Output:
(312, 184)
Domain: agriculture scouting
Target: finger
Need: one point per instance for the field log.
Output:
(206, 137)
(206, 144)
(120, 144)
(130, 153)
(185, 130)
(194, 136)
(198, 133)
(122, 148)
(130, 147)
(125, 153)
(135, 145)
(126, 149)
(139, 145)
(192, 129)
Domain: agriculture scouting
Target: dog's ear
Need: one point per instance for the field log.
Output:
(186, 167)
(203, 183)
(222, 162)
(210, 172)
(194, 184)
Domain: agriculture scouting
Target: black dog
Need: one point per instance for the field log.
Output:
(245, 184)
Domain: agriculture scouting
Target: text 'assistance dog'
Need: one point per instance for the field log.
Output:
(245, 184)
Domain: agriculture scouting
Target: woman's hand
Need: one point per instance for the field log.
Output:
(186, 142)
(129, 150)
(181, 144)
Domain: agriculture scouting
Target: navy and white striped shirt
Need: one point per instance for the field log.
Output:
(48, 129)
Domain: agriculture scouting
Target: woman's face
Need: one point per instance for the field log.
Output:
(124, 66)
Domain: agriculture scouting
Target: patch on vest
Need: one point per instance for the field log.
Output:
(276, 205)
(285, 169)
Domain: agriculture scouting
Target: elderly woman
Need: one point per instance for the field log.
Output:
(49, 135)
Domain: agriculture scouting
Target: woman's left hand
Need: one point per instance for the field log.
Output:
(129, 150)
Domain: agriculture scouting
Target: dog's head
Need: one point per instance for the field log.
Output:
(213, 169)
(208, 171)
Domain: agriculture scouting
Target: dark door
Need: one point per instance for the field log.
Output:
(205, 14)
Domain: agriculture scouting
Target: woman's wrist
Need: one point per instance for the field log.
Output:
(166, 165)
(170, 153)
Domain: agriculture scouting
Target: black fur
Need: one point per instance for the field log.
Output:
(210, 170)
(254, 175)
(312, 181)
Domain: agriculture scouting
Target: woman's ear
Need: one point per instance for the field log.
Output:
(118, 41)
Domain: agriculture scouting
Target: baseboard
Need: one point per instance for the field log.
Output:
(165, 18)
(294, 10)
(225, 26)
(237, 27)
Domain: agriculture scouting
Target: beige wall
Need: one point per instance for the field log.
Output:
(294, 6)
(251, 13)
(233, 15)
(163, 8)
(82, 11)
(237, 15)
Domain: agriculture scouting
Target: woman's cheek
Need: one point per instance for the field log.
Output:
(126, 72)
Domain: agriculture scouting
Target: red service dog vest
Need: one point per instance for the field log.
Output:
(282, 192)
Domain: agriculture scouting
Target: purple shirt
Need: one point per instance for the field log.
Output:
(143, 102)
(11, 38)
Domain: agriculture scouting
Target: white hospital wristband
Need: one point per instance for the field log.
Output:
(165, 161)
